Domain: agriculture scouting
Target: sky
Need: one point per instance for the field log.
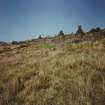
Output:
(27, 19)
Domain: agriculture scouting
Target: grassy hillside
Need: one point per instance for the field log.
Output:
(45, 74)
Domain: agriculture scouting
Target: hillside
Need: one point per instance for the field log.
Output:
(38, 73)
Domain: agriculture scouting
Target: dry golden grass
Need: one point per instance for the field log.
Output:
(68, 75)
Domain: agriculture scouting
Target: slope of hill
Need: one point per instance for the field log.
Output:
(45, 74)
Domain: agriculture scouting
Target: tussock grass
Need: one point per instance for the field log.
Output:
(49, 46)
(70, 75)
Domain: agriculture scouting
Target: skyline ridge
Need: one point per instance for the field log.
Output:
(24, 19)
